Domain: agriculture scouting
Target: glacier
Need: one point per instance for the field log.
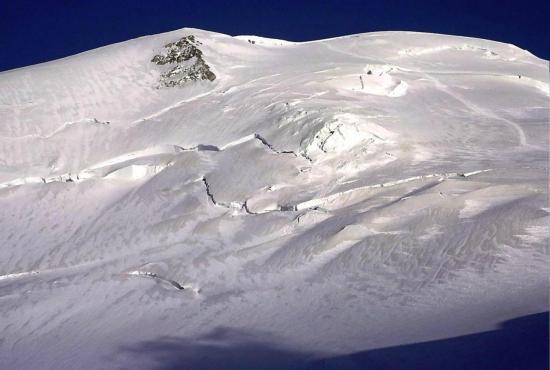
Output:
(244, 202)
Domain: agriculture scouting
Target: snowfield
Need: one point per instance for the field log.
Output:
(267, 204)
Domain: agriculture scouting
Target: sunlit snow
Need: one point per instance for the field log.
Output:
(330, 197)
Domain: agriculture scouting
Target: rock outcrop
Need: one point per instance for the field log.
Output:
(186, 63)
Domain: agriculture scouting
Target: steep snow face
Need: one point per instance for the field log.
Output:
(330, 197)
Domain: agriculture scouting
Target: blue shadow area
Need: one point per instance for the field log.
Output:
(521, 344)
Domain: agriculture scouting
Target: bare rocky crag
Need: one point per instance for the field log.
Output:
(186, 61)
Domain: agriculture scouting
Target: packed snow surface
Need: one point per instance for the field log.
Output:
(327, 197)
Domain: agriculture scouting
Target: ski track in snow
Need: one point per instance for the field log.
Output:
(171, 107)
(475, 108)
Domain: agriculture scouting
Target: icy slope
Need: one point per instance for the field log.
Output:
(335, 196)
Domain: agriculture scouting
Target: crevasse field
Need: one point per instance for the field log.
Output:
(312, 205)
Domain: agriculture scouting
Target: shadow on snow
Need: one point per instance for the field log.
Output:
(521, 343)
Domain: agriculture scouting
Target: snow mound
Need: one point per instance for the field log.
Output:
(135, 172)
(342, 133)
(375, 79)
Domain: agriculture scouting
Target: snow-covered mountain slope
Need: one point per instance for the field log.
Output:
(174, 193)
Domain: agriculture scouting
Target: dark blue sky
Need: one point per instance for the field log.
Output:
(34, 31)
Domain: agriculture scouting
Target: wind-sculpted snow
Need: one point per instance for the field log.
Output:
(336, 195)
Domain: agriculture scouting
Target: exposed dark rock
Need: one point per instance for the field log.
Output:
(186, 61)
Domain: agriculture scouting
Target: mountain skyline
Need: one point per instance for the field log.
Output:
(33, 32)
